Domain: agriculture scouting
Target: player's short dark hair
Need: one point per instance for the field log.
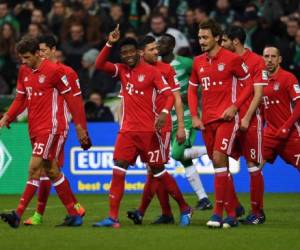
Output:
(273, 46)
(145, 41)
(49, 40)
(27, 44)
(236, 32)
(128, 41)
(211, 25)
(171, 39)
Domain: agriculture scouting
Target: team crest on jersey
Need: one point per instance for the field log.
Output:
(42, 79)
(276, 86)
(221, 66)
(141, 78)
(297, 88)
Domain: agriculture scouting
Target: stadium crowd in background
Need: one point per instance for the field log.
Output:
(82, 27)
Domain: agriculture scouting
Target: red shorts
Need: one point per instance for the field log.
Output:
(288, 150)
(49, 147)
(250, 144)
(150, 146)
(220, 136)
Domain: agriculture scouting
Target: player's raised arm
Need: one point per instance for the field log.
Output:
(101, 60)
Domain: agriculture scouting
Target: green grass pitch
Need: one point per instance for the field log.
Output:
(281, 230)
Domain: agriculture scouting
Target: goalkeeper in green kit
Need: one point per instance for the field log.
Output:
(184, 152)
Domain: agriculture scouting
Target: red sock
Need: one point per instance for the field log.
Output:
(43, 194)
(64, 193)
(116, 191)
(74, 199)
(148, 193)
(221, 179)
(164, 201)
(256, 190)
(27, 195)
(232, 201)
(171, 186)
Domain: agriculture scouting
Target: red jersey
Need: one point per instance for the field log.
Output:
(75, 90)
(259, 75)
(42, 88)
(282, 89)
(139, 88)
(218, 78)
(169, 76)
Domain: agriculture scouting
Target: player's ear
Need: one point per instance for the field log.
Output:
(141, 52)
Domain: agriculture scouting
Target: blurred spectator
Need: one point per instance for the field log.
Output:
(257, 37)
(93, 79)
(95, 109)
(92, 33)
(36, 30)
(56, 17)
(190, 30)
(95, 10)
(136, 12)
(291, 58)
(22, 11)
(75, 46)
(223, 14)
(116, 16)
(159, 26)
(6, 17)
(37, 17)
(8, 57)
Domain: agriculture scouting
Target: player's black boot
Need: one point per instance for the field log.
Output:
(204, 204)
(164, 219)
(71, 221)
(11, 219)
(135, 216)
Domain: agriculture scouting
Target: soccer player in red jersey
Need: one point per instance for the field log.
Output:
(281, 111)
(140, 132)
(249, 140)
(47, 45)
(217, 71)
(41, 88)
(149, 52)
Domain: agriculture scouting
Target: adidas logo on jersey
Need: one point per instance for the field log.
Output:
(201, 69)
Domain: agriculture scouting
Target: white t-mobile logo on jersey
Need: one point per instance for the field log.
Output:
(29, 92)
(129, 88)
(205, 82)
(266, 102)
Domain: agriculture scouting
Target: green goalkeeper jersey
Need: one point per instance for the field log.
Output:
(183, 67)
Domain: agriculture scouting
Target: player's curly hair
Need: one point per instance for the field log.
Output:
(213, 26)
(27, 44)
